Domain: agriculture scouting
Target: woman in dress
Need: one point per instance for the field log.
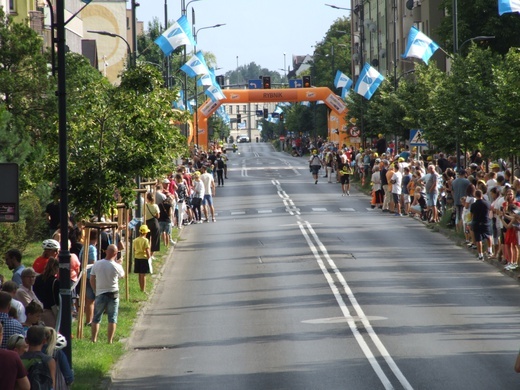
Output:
(152, 213)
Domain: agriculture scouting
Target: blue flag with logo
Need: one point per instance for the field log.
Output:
(342, 80)
(215, 93)
(368, 81)
(196, 66)
(419, 46)
(177, 35)
(208, 79)
(507, 6)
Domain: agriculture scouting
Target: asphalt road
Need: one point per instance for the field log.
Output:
(297, 287)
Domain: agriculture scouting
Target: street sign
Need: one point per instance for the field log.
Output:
(298, 83)
(354, 131)
(416, 138)
(255, 84)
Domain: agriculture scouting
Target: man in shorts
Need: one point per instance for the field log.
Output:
(104, 279)
(481, 224)
(209, 193)
(315, 165)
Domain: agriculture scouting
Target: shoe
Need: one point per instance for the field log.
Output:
(380, 207)
(214, 220)
(172, 242)
(348, 193)
(397, 215)
(468, 243)
(473, 247)
(513, 267)
(480, 256)
(372, 206)
(386, 211)
(316, 181)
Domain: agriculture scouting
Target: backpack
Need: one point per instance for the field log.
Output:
(38, 373)
(220, 163)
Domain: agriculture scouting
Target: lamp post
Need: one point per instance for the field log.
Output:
(238, 78)
(336, 7)
(477, 38)
(184, 8)
(195, 33)
(114, 35)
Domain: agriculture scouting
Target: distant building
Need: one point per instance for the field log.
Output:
(301, 64)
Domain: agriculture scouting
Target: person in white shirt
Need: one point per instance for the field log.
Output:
(104, 279)
(209, 193)
(396, 181)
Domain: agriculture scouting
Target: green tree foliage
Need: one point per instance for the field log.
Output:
(252, 71)
(25, 110)
(478, 18)
(504, 137)
(118, 133)
(332, 54)
(299, 119)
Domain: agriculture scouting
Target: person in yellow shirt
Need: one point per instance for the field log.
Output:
(345, 173)
(142, 257)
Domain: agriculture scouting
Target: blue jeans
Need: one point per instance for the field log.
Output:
(111, 305)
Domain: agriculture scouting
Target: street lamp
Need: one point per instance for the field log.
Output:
(114, 35)
(336, 7)
(478, 38)
(195, 32)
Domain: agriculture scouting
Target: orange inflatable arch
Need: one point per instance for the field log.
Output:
(337, 126)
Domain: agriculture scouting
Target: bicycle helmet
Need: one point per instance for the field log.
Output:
(61, 341)
(51, 244)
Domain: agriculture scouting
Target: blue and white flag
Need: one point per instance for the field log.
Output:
(215, 93)
(344, 92)
(208, 79)
(179, 104)
(368, 81)
(506, 6)
(342, 80)
(419, 46)
(196, 65)
(177, 35)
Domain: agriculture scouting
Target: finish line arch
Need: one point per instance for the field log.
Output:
(337, 126)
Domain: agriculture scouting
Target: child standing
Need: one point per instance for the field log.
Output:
(142, 257)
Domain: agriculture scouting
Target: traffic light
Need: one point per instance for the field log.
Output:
(266, 113)
(220, 80)
(306, 81)
(239, 118)
(266, 81)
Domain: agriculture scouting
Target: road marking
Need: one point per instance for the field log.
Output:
(308, 231)
(318, 209)
(347, 209)
(264, 211)
(241, 212)
(316, 246)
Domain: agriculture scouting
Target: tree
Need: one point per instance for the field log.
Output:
(25, 95)
(477, 18)
(504, 138)
(118, 133)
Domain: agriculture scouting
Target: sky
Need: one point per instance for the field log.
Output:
(259, 31)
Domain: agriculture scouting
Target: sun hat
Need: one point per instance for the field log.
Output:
(144, 229)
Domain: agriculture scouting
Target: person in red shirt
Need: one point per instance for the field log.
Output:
(50, 249)
(13, 374)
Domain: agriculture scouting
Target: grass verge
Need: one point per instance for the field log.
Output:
(93, 362)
